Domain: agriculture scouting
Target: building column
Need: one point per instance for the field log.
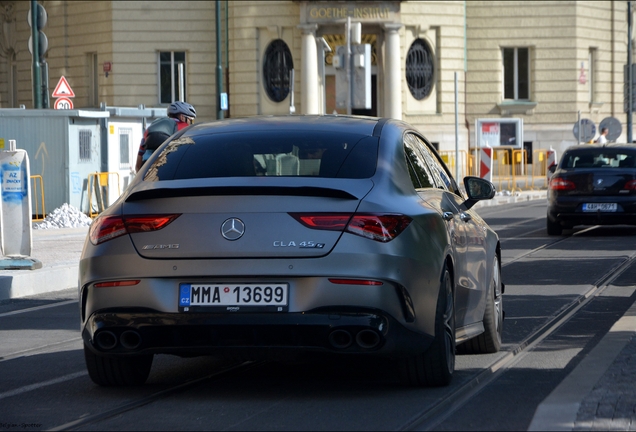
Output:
(393, 72)
(309, 99)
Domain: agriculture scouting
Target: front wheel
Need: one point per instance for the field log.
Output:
(435, 367)
(117, 372)
(490, 340)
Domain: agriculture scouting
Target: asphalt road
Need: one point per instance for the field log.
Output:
(44, 385)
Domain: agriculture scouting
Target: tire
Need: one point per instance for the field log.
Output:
(117, 372)
(554, 228)
(490, 340)
(435, 367)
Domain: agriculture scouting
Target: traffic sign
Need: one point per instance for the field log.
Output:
(588, 130)
(614, 128)
(63, 90)
(63, 103)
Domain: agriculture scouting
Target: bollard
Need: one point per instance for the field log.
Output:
(15, 211)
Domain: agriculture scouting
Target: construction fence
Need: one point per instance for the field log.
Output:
(511, 167)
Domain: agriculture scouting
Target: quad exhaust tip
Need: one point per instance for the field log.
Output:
(340, 339)
(365, 339)
(130, 339)
(107, 340)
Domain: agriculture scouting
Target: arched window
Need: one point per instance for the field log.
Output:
(277, 64)
(420, 69)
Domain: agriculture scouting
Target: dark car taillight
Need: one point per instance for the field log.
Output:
(630, 185)
(559, 183)
(378, 227)
(109, 227)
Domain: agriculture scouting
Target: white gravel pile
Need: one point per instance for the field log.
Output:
(65, 216)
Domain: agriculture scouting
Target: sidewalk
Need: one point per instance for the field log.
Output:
(59, 251)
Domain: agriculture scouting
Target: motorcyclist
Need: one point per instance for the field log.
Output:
(159, 130)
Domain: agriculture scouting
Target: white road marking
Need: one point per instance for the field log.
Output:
(31, 387)
(37, 308)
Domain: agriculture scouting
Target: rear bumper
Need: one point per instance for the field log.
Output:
(257, 335)
(568, 211)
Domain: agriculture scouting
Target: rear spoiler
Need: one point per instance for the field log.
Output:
(241, 191)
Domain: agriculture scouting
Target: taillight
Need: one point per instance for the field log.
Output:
(630, 185)
(109, 227)
(558, 183)
(323, 221)
(382, 228)
(378, 227)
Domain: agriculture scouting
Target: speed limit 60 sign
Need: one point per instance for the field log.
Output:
(63, 103)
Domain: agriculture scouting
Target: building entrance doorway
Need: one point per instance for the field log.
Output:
(335, 40)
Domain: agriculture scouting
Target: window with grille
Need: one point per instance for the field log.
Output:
(172, 76)
(124, 147)
(85, 136)
(277, 65)
(516, 73)
(420, 69)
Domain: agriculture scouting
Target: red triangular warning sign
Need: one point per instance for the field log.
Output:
(62, 89)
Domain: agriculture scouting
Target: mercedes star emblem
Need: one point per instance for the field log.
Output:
(233, 229)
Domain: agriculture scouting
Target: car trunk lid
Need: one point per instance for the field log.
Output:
(244, 220)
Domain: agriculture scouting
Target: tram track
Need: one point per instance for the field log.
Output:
(130, 406)
(430, 418)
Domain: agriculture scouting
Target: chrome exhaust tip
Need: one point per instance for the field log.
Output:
(367, 339)
(130, 339)
(106, 340)
(340, 339)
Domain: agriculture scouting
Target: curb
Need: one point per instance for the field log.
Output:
(29, 282)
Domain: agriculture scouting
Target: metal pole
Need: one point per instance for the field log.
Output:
(219, 64)
(456, 133)
(630, 73)
(348, 63)
(227, 55)
(35, 69)
(578, 122)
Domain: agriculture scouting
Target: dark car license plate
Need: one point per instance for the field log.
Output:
(604, 207)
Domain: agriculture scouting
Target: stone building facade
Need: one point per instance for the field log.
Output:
(542, 62)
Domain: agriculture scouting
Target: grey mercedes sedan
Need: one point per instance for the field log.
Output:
(292, 235)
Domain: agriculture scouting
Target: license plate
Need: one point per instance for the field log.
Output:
(604, 207)
(234, 297)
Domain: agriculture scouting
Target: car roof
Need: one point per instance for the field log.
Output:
(613, 146)
(350, 124)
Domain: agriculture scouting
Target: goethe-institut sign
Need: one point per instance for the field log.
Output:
(318, 12)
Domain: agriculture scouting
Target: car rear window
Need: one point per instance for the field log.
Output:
(599, 158)
(263, 153)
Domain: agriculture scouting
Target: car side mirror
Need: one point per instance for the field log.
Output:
(477, 189)
(551, 170)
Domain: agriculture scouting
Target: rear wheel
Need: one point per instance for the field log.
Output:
(490, 340)
(554, 228)
(117, 372)
(435, 367)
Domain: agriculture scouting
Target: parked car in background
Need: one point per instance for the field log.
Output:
(593, 185)
(292, 234)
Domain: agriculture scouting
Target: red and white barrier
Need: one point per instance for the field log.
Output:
(485, 163)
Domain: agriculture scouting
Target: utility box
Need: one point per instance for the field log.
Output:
(63, 146)
(81, 155)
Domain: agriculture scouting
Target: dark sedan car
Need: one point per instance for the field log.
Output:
(593, 185)
(285, 235)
